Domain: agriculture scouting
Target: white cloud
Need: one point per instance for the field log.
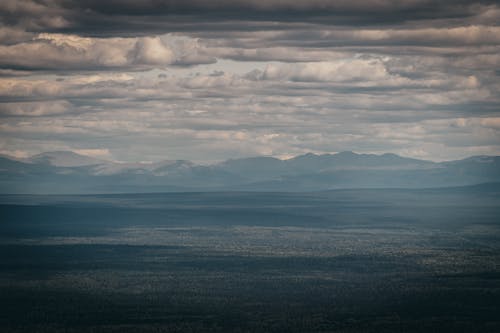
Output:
(96, 152)
(151, 51)
(473, 34)
(72, 52)
(493, 122)
(336, 71)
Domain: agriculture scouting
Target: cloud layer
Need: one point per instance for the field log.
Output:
(208, 81)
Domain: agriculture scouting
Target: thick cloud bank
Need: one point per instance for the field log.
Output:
(211, 80)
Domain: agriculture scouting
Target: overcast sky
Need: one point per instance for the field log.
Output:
(211, 80)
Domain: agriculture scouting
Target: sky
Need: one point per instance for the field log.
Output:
(213, 80)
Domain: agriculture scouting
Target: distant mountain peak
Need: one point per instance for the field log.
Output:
(347, 153)
(61, 158)
(390, 155)
(69, 172)
(309, 155)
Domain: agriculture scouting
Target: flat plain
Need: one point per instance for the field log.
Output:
(334, 261)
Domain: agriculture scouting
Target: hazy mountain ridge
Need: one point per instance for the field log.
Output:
(63, 159)
(68, 172)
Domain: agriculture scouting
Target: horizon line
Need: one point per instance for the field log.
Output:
(107, 159)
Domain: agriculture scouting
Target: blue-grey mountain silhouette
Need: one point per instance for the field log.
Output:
(68, 172)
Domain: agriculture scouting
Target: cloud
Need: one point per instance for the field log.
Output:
(96, 152)
(151, 51)
(60, 52)
(14, 153)
(279, 116)
(493, 122)
(34, 15)
(71, 52)
(324, 36)
(35, 109)
(209, 80)
(129, 18)
(305, 10)
(10, 35)
(338, 71)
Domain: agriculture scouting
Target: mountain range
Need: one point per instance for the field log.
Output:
(67, 172)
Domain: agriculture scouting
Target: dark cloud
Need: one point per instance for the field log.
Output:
(355, 11)
(113, 17)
